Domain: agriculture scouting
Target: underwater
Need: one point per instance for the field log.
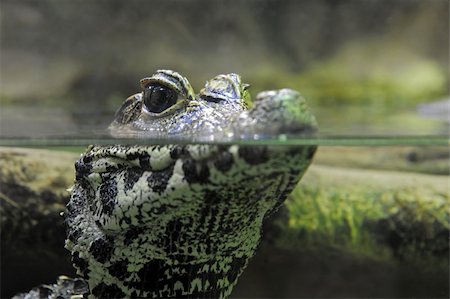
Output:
(224, 149)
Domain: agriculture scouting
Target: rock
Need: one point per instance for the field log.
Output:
(33, 193)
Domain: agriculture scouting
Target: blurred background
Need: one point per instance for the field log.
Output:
(367, 67)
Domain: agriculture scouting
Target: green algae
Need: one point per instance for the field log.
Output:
(388, 216)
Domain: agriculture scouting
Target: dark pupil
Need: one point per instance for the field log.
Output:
(158, 98)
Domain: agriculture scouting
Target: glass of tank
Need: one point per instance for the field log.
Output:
(370, 216)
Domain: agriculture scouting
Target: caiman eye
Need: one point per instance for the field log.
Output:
(158, 98)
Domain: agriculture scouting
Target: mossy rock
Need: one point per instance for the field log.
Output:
(386, 215)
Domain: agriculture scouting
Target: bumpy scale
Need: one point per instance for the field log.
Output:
(183, 220)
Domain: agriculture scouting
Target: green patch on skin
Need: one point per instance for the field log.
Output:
(389, 216)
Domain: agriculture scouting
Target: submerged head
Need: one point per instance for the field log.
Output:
(183, 220)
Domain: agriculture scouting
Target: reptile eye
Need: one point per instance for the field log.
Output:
(158, 98)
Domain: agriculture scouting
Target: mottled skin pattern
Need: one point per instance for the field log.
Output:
(187, 229)
(183, 220)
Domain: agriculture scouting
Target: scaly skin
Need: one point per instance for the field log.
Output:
(183, 220)
(188, 229)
